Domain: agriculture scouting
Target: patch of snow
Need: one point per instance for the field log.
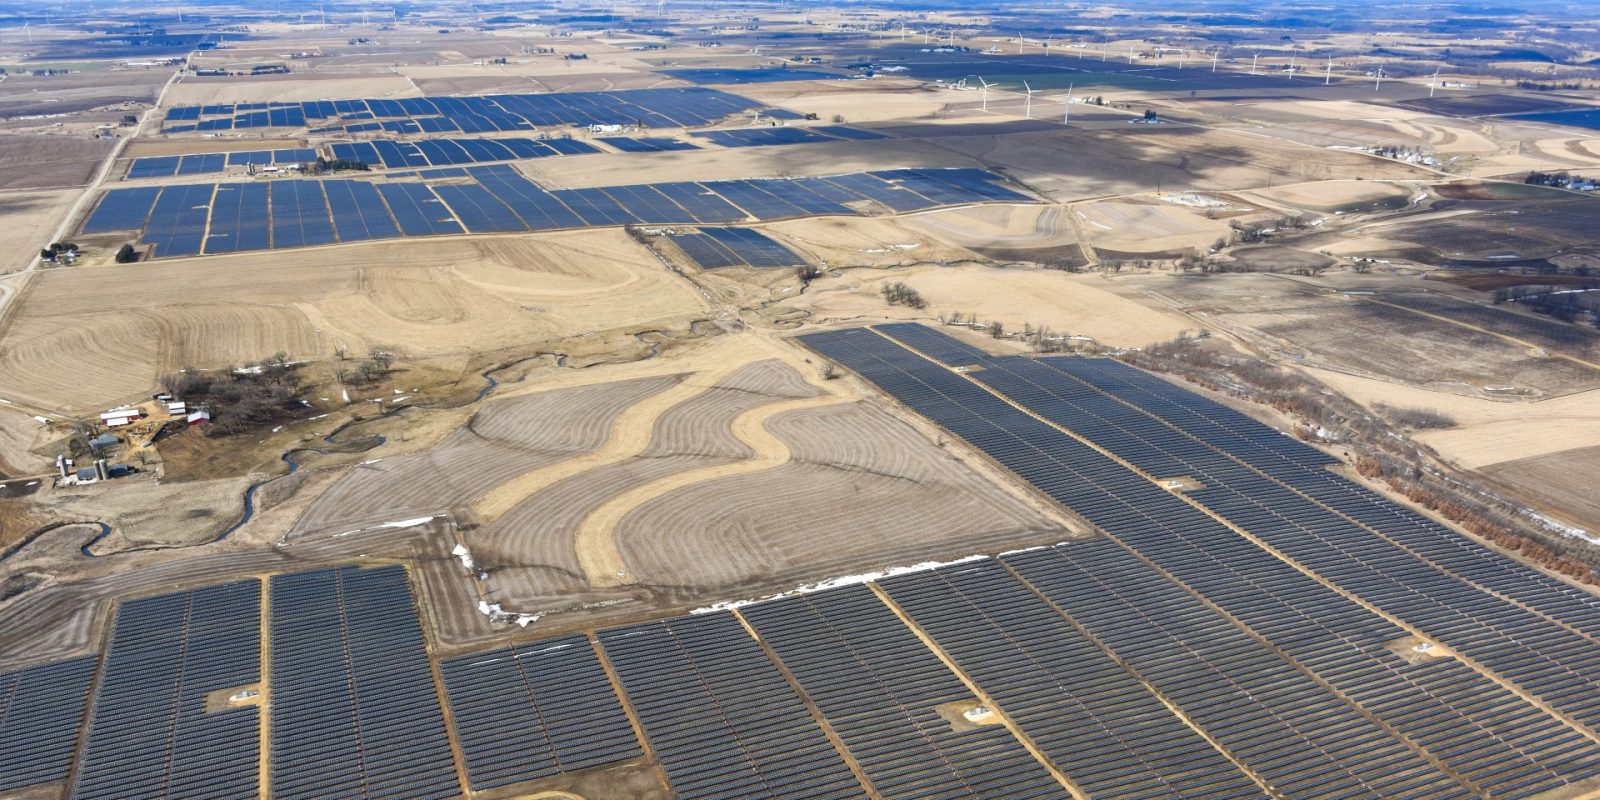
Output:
(1569, 531)
(497, 614)
(460, 551)
(410, 523)
(834, 583)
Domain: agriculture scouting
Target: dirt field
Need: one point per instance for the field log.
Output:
(140, 148)
(31, 218)
(1147, 226)
(1315, 327)
(1069, 304)
(1561, 482)
(287, 88)
(506, 438)
(1337, 196)
(422, 298)
(49, 162)
(1035, 233)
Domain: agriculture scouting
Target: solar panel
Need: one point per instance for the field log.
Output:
(41, 709)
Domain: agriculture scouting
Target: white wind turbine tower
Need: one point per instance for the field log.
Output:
(1104, 50)
(1131, 51)
(1434, 81)
(1181, 55)
(1378, 85)
(1066, 114)
(1255, 59)
(1214, 54)
(27, 30)
(1027, 110)
(926, 32)
(1327, 77)
(1291, 66)
(952, 41)
(1020, 42)
(985, 84)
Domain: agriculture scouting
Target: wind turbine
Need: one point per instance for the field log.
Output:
(1106, 48)
(1253, 61)
(1181, 54)
(1291, 66)
(27, 30)
(1327, 78)
(1131, 51)
(1378, 86)
(1066, 114)
(1020, 42)
(1027, 110)
(952, 41)
(925, 33)
(1434, 81)
(985, 84)
(1214, 54)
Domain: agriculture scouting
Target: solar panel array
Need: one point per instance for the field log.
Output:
(758, 137)
(535, 710)
(881, 688)
(1543, 331)
(647, 144)
(449, 152)
(756, 75)
(655, 108)
(715, 248)
(201, 163)
(1329, 654)
(41, 708)
(720, 717)
(497, 198)
(354, 710)
(151, 734)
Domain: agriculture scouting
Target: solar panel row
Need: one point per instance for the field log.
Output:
(881, 689)
(535, 710)
(720, 717)
(41, 709)
(659, 108)
(448, 152)
(1492, 738)
(714, 248)
(760, 137)
(1082, 709)
(646, 144)
(500, 199)
(154, 731)
(354, 709)
(168, 166)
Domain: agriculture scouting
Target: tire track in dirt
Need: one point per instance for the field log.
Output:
(595, 539)
(630, 434)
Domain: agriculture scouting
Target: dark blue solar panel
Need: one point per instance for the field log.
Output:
(478, 209)
(358, 211)
(122, 210)
(41, 709)
(417, 210)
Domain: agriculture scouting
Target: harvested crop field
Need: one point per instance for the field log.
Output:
(1147, 227)
(1561, 483)
(862, 490)
(49, 161)
(31, 218)
(72, 345)
(1040, 234)
(1338, 196)
(505, 439)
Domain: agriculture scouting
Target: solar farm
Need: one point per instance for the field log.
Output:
(1257, 633)
(774, 402)
(187, 220)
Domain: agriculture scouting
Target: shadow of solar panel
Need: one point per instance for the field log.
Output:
(122, 210)
(150, 734)
(880, 688)
(354, 710)
(41, 709)
(536, 710)
(675, 670)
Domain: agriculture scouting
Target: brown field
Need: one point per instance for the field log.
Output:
(863, 490)
(1147, 226)
(1036, 233)
(121, 91)
(1562, 483)
(288, 88)
(424, 298)
(1069, 304)
(506, 438)
(1316, 327)
(31, 218)
(49, 161)
(1330, 196)
(19, 434)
